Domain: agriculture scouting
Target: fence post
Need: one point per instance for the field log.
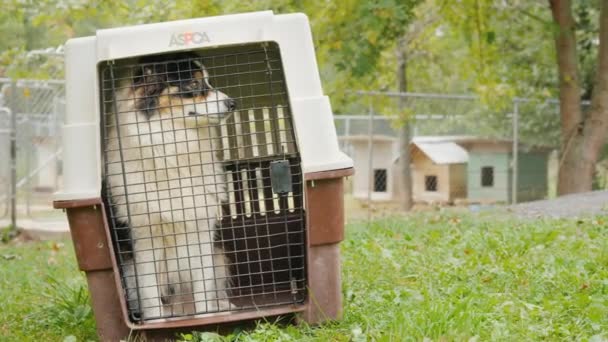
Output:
(13, 153)
(59, 107)
(27, 128)
(370, 165)
(515, 161)
(5, 133)
(405, 159)
(347, 127)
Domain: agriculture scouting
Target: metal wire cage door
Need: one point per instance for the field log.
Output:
(203, 183)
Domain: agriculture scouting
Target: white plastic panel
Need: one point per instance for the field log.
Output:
(169, 36)
(81, 152)
(80, 168)
(80, 71)
(312, 114)
(317, 137)
(311, 110)
(292, 32)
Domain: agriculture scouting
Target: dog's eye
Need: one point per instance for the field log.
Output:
(195, 85)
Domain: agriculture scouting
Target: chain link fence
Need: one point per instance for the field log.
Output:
(31, 110)
(464, 150)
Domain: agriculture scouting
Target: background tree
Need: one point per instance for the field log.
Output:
(511, 61)
(583, 134)
(405, 49)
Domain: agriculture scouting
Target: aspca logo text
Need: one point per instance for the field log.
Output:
(189, 38)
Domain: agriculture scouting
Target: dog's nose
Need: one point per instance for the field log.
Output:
(230, 104)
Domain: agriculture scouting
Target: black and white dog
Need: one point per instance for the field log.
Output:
(165, 176)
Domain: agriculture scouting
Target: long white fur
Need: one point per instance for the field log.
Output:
(164, 174)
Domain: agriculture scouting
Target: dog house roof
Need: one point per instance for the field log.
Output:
(444, 152)
(441, 150)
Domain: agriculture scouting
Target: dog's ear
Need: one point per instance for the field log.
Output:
(149, 83)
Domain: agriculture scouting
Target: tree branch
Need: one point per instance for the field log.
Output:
(419, 27)
(479, 38)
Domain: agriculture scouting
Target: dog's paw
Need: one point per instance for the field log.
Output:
(224, 305)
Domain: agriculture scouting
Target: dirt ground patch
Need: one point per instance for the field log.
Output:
(575, 205)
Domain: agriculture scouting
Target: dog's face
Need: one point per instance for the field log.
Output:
(178, 86)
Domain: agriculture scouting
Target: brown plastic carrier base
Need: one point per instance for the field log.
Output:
(95, 255)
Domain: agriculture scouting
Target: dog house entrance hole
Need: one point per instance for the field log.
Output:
(189, 177)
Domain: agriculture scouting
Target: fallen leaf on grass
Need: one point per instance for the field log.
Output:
(56, 246)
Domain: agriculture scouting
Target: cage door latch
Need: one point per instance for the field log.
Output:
(280, 177)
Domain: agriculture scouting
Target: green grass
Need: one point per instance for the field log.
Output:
(43, 296)
(439, 276)
(456, 278)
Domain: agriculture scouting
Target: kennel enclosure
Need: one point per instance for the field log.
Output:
(272, 164)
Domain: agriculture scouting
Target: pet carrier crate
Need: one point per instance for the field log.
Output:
(202, 174)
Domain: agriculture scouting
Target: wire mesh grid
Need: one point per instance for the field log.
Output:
(37, 107)
(203, 182)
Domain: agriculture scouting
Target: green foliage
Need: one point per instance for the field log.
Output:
(370, 28)
(17, 63)
(587, 33)
(350, 35)
(509, 46)
(498, 49)
(44, 296)
(66, 310)
(8, 233)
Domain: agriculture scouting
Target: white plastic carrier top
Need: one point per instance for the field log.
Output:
(311, 110)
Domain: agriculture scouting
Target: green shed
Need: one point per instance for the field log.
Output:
(490, 171)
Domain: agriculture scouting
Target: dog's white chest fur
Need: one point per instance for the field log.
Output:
(169, 165)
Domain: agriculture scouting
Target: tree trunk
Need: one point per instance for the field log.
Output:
(596, 123)
(404, 133)
(582, 135)
(575, 173)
